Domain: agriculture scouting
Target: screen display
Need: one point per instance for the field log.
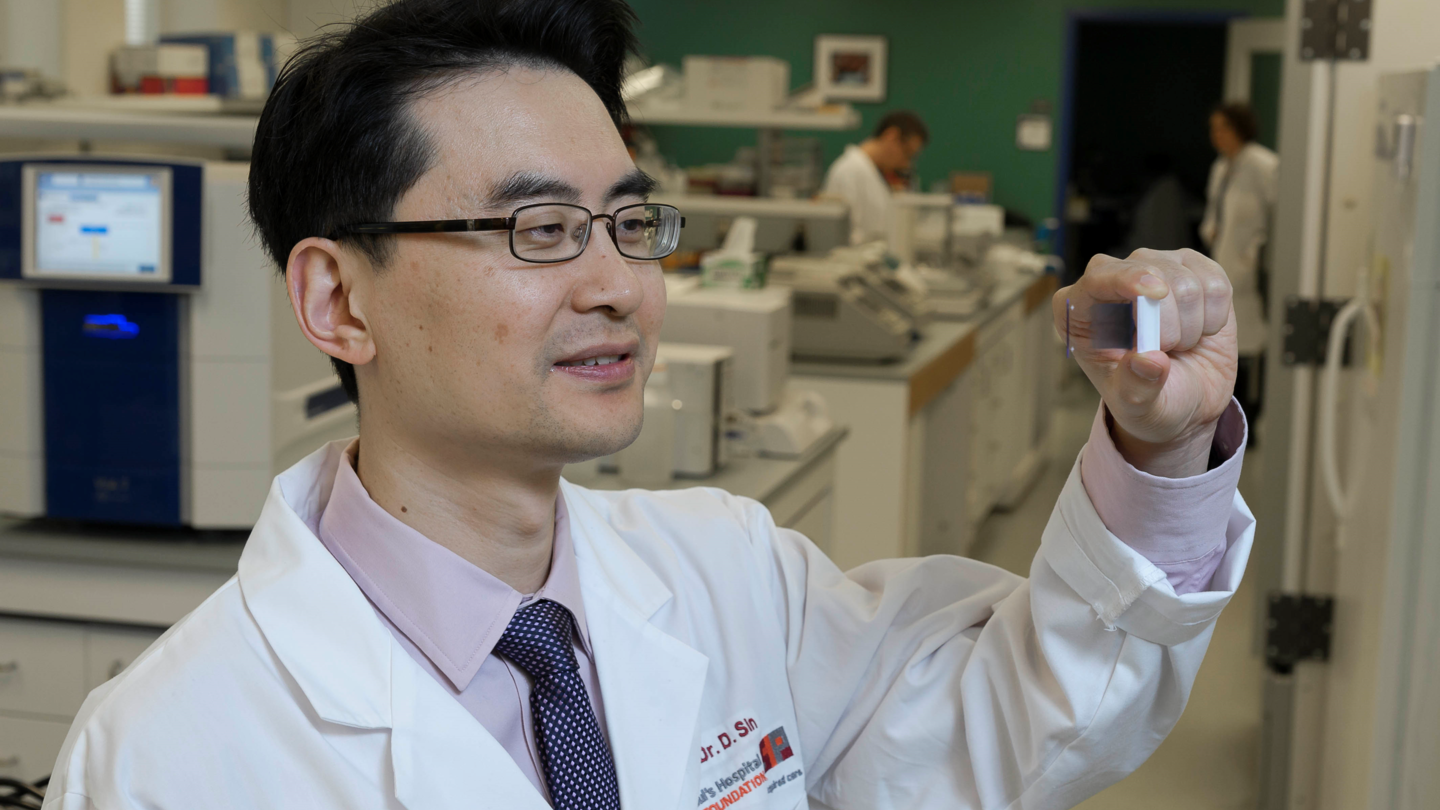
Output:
(100, 224)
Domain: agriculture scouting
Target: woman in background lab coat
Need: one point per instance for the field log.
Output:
(1236, 228)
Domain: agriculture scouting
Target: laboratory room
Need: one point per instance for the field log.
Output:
(766, 405)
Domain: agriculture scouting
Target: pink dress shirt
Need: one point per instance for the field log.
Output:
(1178, 524)
(448, 614)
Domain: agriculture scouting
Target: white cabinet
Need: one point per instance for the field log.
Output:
(942, 437)
(28, 746)
(47, 667)
(996, 411)
(807, 505)
(42, 667)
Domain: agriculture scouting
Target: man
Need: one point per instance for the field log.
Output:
(860, 175)
(429, 617)
(1240, 199)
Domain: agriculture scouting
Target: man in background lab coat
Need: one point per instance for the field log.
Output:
(861, 176)
(429, 617)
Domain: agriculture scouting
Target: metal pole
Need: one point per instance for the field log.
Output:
(766, 140)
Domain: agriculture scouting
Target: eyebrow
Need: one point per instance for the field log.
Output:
(524, 186)
(635, 184)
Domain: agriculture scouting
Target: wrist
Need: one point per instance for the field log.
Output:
(1185, 456)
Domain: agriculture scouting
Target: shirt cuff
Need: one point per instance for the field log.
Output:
(1178, 524)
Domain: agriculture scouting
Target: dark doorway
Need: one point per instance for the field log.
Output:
(1140, 94)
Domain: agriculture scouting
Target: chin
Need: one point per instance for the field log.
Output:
(584, 444)
(592, 432)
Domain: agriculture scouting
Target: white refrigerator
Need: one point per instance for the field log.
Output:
(1363, 728)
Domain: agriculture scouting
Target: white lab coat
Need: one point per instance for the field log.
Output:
(1249, 201)
(855, 178)
(918, 683)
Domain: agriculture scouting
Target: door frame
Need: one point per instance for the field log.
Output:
(1247, 37)
(1074, 18)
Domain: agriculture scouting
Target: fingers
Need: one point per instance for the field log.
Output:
(1111, 280)
(1199, 301)
(1137, 382)
(1216, 287)
(1194, 292)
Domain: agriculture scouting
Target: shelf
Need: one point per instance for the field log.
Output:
(722, 205)
(199, 103)
(841, 118)
(202, 120)
(73, 121)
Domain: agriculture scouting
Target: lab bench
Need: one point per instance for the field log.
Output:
(79, 603)
(942, 437)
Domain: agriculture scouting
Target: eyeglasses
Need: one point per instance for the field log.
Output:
(557, 232)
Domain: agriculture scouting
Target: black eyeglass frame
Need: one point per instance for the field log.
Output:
(508, 224)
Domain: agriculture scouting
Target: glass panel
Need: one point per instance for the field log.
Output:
(550, 233)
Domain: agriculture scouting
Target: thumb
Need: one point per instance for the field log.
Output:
(1137, 381)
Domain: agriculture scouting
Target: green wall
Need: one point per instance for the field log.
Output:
(967, 66)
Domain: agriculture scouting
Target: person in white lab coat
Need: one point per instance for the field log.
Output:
(1239, 209)
(649, 649)
(859, 175)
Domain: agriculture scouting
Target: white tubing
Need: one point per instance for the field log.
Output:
(1341, 501)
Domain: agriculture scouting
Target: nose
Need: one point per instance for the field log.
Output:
(607, 281)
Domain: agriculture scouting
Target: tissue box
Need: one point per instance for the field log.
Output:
(736, 83)
(735, 270)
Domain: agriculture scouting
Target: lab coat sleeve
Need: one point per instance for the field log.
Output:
(1270, 184)
(943, 682)
(69, 801)
(1212, 194)
(842, 183)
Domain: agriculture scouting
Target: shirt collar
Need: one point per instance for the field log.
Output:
(449, 608)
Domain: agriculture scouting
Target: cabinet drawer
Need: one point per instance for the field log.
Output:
(109, 650)
(28, 748)
(42, 667)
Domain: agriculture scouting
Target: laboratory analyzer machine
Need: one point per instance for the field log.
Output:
(153, 370)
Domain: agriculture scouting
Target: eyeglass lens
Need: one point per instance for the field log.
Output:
(555, 233)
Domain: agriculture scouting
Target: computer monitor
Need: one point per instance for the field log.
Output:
(96, 222)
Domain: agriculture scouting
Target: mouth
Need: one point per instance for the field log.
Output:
(594, 361)
(609, 363)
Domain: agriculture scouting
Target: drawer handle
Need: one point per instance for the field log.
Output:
(9, 668)
(10, 761)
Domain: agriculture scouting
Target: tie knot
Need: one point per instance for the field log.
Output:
(538, 639)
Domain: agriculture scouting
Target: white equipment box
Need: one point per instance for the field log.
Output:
(701, 381)
(755, 323)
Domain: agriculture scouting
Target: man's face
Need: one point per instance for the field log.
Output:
(910, 150)
(478, 352)
(900, 151)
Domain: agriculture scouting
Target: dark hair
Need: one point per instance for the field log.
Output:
(1241, 118)
(335, 143)
(907, 122)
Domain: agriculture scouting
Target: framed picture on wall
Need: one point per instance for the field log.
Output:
(850, 68)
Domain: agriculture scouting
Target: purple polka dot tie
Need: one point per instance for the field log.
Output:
(578, 768)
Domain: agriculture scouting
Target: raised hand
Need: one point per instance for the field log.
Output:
(1164, 404)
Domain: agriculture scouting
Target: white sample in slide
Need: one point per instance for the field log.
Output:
(1147, 324)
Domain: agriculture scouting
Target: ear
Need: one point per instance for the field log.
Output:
(322, 278)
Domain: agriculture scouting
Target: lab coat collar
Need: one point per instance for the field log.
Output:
(652, 682)
(353, 673)
(313, 615)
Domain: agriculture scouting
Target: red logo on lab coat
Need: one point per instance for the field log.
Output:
(775, 748)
